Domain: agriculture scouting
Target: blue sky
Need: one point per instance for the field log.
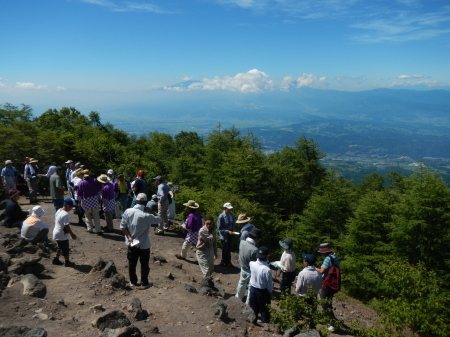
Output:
(94, 53)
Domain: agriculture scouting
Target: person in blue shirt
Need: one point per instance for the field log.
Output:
(225, 225)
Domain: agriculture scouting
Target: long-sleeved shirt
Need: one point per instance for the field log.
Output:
(247, 253)
(9, 175)
(225, 223)
(261, 275)
(163, 191)
(309, 277)
(207, 240)
(287, 261)
(50, 171)
(244, 230)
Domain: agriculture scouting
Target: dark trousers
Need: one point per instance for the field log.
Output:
(41, 236)
(226, 250)
(58, 203)
(63, 247)
(286, 282)
(143, 256)
(259, 302)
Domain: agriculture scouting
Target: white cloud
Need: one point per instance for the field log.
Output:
(59, 88)
(253, 81)
(404, 77)
(29, 85)
(310, 80)
(187, 78)
(128, 6)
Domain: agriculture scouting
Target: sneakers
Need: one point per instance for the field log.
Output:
(68, 263)
(57, 262)
(133, 285)
(145, 286)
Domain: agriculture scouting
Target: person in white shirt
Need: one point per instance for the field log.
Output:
(61, 233)
(286, 266)
(34, 229)
(135, 224)
(261, 284)
(309, 278)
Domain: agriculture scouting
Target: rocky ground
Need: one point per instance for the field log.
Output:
(72, 301)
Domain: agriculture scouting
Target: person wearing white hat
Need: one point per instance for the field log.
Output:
(34, 229)
(225, 225)
(9, 176)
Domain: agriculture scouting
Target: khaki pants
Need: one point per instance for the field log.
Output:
(93, 219)
(205, 260)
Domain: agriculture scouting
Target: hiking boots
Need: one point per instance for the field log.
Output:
(68, 263)
(57, 262)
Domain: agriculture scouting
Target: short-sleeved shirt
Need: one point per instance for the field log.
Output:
(61, 220)
(55, 182)
(138, 222)
(327, 261)
(31, 227)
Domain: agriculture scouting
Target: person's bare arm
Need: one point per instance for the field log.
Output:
(69, 230)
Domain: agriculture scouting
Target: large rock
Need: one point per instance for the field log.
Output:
(113, 320)
(249, 313)
(135, 307)
(4, 261)
(118, 281)
(21, 264)
(128, 331)
(190, 288)
(32, 286)
(22, 331)
(310, 333)
(4, 279)
(292, 331)
(106, 268)
(220, 310)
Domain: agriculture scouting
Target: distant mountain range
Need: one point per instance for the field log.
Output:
(404, 122)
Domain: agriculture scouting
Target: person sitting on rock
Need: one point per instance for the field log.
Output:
(14, 215)
(34, 229)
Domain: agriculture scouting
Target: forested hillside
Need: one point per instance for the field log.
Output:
(393, 242)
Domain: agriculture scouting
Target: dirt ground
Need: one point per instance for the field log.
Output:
(73, 291)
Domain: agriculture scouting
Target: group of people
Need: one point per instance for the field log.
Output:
(110, 193)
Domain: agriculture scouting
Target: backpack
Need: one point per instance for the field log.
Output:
(332, 280)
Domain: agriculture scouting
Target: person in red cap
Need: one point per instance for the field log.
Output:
(14, 215)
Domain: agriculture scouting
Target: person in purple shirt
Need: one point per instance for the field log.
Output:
(108, 199)
(88, 194)
(192, 225)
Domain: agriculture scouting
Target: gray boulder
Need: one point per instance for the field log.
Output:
(5, 259)
(310, 333)
(21, 264)
(113, 320)
(292, 331)
(32, 286)
(118, 281)
(128, 331)
(220, 310)
(249, 314)
(190, 288)
(135, 307)
(22, 331)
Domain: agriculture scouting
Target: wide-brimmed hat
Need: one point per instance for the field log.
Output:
(79, 165)
(32, 161)
(37, 211)
(158, 178)
(227, 205)
(87, 173)
(13, 192)
(243, 218)
(69, 162)
(79, 174)
(191, 204)
(8, 162)
(154, 197)
(254, 233)
(310, 258)
(286, 244)
(110, 172)
(325, 248)
(263, 252)
(103, 178)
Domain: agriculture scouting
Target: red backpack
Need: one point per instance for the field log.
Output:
(332, 280)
